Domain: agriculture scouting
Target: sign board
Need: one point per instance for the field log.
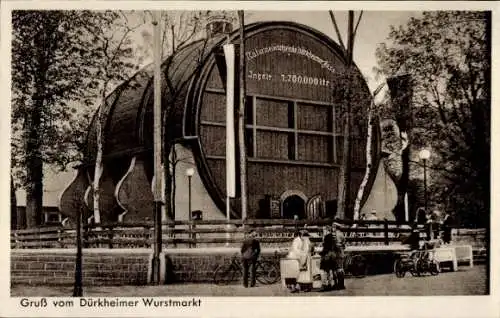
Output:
(291, 64)
(275, 209)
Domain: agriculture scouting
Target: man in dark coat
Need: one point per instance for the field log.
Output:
(327, 254)
(339, 246)
(447, 227)
(250, 251)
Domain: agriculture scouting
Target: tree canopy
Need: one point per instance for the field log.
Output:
(57, 75)
(64, 66)
(447, 53)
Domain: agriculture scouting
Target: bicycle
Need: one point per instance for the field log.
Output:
(355, 265)
(418, 264)
(267, 271)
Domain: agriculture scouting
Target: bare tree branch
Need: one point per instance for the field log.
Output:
(337, 31)
(357, 24)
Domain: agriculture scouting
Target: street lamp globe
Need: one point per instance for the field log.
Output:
(189, 172)
(424, 154)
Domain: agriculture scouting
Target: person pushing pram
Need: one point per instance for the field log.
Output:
(300, 251)
(332, 258)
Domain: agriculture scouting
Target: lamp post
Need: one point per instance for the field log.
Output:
(171, 149)
(424, 155)
(157, 148)
(189, 174)
(78, 286)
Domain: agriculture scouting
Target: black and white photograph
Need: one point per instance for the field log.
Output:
(169, 156)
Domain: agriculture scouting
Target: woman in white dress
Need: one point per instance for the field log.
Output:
(296, 248)
(295, 253)
(306, 249)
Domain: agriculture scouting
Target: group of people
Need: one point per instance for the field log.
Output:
(332, 252)
(438, 225)
(332, 258)
(332, 255)
(438, 232)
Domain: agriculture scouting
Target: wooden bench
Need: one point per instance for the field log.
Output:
(446, 255)
(464, 254)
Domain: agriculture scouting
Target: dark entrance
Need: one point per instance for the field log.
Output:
(294, 205)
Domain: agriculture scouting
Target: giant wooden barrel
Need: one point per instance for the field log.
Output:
(297, 91)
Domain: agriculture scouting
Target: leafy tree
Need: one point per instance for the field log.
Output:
(13, 206)
(60, 72)
(447, 53)
(111, 61)
(47, 89)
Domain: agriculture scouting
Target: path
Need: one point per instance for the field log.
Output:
(466, 281)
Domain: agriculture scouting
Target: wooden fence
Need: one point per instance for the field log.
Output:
(275, 233)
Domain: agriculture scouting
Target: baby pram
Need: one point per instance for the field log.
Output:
(307, 278)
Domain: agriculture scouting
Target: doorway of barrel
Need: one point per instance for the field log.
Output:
(293, 204)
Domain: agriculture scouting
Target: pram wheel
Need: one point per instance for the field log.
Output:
(358, 266)
(399, 268)
(305, 287)
(434, 268)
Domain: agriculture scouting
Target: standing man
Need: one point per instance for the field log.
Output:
(327, 259)
(421, 216)
(250, 251)
(430, 233)
(447, 227)
(339, 246)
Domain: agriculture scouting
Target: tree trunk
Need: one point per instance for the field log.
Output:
(401, 94)
(173, 181)
(344, 175)
(400, 208)
(33, 127)
(344, 184)
(369, 163)
(34, 167)
(169, 176)
(13, 206)
(34, 192)
(170, 189)
(98, 164)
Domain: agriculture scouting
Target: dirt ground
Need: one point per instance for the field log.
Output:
(466, 281)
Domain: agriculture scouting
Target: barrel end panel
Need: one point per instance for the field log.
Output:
(71, 201)
(133, 193)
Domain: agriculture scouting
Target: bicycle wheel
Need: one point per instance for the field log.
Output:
(419, 267)
(399, 268)
(224, 274)
(434, 268)
(273, 273)
(414, 269)
(358, 266)
(267, 273)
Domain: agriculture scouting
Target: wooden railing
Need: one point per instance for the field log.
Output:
(275, 233)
